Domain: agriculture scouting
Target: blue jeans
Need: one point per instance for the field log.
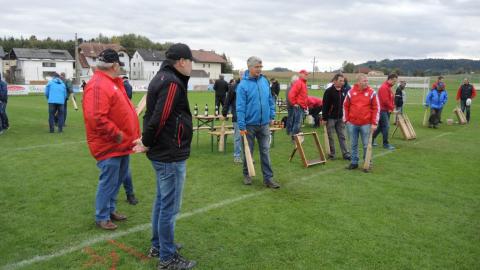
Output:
(113, 172)
(3, 115)
(354, 131)
(55, 108)
(297, 120)
(127, 184)
(237, 146)
(170, 179)
(289, 121)
(262, 133)
(383, 126)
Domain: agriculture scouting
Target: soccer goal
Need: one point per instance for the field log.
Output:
(416, 88)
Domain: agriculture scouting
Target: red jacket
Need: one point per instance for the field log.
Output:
(314, 102)
(298, 94)
(107, 112)
(385, 97)
(361, 107)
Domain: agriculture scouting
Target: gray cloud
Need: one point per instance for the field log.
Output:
(283, 33)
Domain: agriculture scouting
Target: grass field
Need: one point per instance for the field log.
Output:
(418, 209)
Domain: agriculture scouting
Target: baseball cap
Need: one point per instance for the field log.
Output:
(178, 51)
(303, 71)
(110, 56)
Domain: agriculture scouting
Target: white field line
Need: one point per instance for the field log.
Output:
(435, 137)
(41, 146)
(142, 227)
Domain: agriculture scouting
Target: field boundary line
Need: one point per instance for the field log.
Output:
(40, 146)
(142, 227)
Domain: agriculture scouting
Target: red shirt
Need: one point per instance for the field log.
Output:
(107, 112)
(298, 94)
(314, 102)
(361, 107)
(385, 97)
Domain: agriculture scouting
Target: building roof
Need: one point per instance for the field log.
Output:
(2, 52)
(201, 56)
(199, 73)
(83, 61)
(41, 54)
(94, 49)
(151, 55)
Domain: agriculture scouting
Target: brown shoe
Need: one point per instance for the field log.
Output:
(117, 216)
(106, 225)
(271, 184)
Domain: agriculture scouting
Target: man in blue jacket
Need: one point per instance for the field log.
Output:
(436, 99)
(3, 106)
(56, 93)
(255, 111)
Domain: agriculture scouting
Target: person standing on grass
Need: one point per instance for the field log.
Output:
(111, 125)
(255, 111)
(332, 115)
(69, 87)
(128, 87)
(360, 113)
(440, 79)
(466, 92)
(298, 97)
(167, 135)
(385, 97)
(4, 125)
(56, 94)
(288, 124)
(230, 103)
(436, 99)
(275, 88)
(400, 98)
(221, 89)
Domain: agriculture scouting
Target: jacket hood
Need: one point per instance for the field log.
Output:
(57, 80)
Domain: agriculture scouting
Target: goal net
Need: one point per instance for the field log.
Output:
(416, 88)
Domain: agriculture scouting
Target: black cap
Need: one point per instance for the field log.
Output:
(177, 51)
(110, 56)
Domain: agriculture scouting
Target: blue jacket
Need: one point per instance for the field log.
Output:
(3, 91)
(255, 104)
(128, 88)
(436, 99)
(55, 91)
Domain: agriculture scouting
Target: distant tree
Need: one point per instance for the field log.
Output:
(280, 69)
(348, 67)
(227, 67)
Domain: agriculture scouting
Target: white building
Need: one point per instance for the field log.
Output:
(145, 64)
(88, 54)
(26, 65)
(209, 61)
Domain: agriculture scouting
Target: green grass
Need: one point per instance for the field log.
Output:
(419, 209)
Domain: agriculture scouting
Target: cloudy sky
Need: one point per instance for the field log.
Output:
(283, 33)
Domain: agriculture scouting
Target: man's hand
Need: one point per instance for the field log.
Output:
(374, 127)
(243, 132)
(139, 147)
(119, 137)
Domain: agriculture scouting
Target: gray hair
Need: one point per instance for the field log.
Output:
(294, 78)
(104, 66)
(253, 60)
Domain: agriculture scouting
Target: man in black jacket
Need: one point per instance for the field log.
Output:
(399, 98)
(275, 88)
(332, 114)
(230, 102)
(167, 135)
(221, 89)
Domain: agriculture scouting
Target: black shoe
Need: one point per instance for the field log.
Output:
(177, 263)
(352, 166)
(131, 199)
(271, 184)
(331, 157)
(346, 157)
(153, 252)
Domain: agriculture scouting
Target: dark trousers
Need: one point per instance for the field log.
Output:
(3, 116)
(314, 112)
(383, 126)
(219, 100)
(434, 117)
(55, 109)
(464, 107)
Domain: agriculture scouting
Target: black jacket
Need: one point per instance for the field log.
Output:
(333, 103)
(167, 124)
(128, 89)
(220, 87)
(398, 97)
(230, 102)
(466, 91)
(275, 88)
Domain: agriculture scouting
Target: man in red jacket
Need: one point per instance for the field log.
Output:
(111, 125)
(360, 114)
(298, 98)
(386, 99)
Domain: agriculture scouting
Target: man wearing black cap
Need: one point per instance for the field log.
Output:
(111, 124)
(167, 134)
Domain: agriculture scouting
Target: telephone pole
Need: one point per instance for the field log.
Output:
(313, 69)
(77, 62)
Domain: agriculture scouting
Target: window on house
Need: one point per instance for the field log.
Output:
(133, 64)
(208, 65)
(134, 73)
(121, 55)
(158, 64)
(203, 65)
(153, 63)
(49, 64)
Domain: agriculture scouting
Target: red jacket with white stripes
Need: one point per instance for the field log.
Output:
(167, 124)
(361, 106)
(299, 94)
(386, 97)
(108, 113)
